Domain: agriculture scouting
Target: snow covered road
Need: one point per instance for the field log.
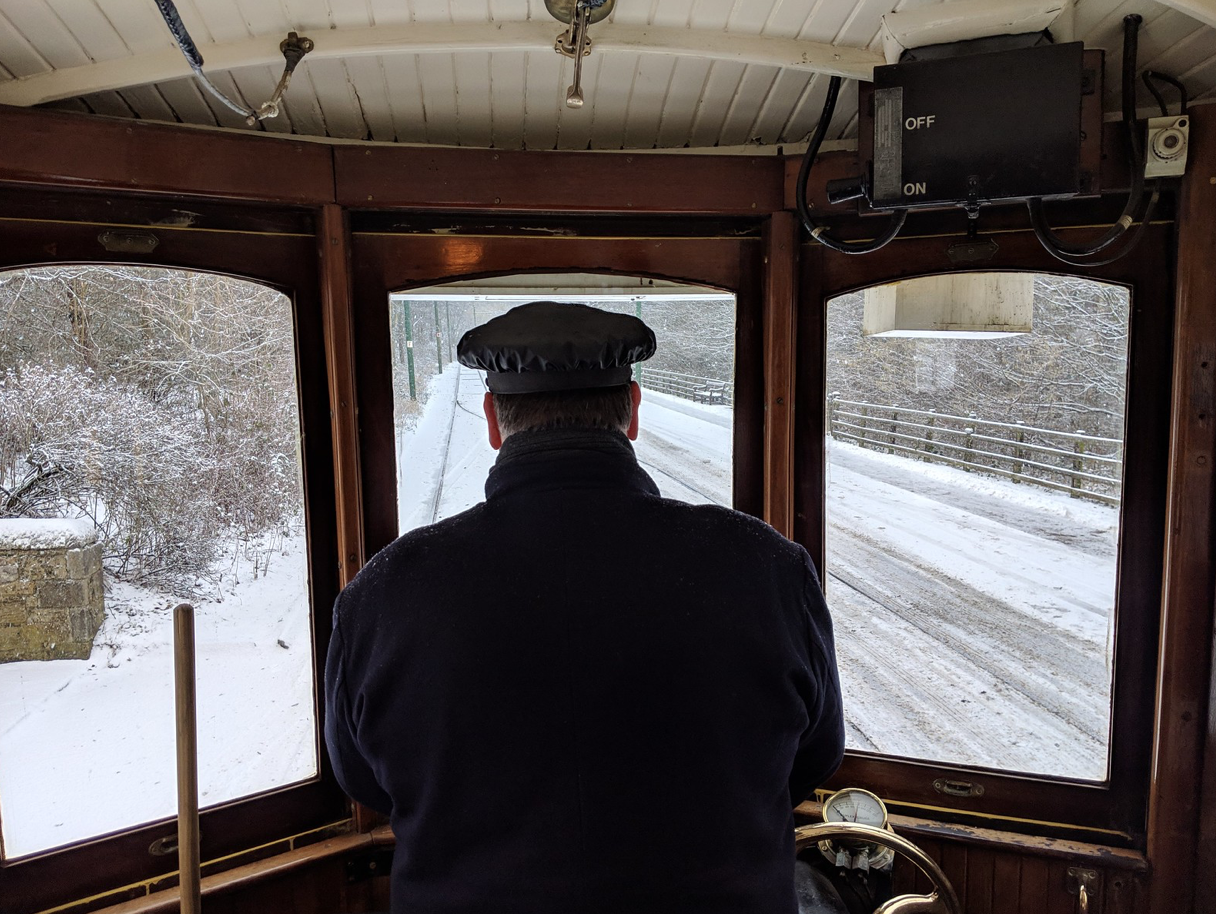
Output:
(972, 613)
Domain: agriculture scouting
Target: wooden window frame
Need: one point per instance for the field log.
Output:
(277, 250)
(385, 262)
(1113, 812)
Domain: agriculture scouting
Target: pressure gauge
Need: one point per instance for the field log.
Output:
(855, 805)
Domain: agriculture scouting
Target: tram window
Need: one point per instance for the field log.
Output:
(973, 496)
(149, 454)
(686, 417)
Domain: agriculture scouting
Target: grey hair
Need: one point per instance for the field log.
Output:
(600, 407)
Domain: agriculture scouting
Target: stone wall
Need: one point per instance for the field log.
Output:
(52, 599)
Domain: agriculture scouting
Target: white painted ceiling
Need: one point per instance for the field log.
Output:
(660, 76)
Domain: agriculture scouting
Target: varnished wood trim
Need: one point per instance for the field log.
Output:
(245, 876)
(780, 306)
(1184, 678)
(1081, 852)
(67, 149)
(568, 182)
(333, 237)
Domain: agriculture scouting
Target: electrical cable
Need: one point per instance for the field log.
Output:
(1125, 250)
(1150, 75)
(1071, 253)
(185, 43)
(817, 231)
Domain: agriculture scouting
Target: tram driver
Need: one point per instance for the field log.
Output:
(580, 696)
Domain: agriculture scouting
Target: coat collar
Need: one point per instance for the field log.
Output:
(567, 458)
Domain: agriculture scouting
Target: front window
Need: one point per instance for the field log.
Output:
(686, 419)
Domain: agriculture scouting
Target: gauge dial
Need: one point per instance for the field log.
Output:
(855, 805)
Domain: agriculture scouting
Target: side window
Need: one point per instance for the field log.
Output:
(686, 417)
(149, 454)
(974, 478)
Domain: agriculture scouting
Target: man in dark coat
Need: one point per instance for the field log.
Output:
(579, 696)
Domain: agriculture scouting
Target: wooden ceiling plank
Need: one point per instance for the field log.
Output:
(367, 78)
(19, 56)
(47, 32)
(749, 96)
(473, 99)
(138, 25)
(548, 77)
(611, 94)
(405, 98)
(773, 115)
(507, 73)
(711, 14)
(1200, 10)
(109, 104)
(433, 38)
(148, 104)
(338, 100)
(688, 82)
(185, 97)
(91, 28)
(647, 97)
(437, 78)
(720, 85)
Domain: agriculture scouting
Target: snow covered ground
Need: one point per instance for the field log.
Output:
(971, 618)
(972, 613)
(87, 746)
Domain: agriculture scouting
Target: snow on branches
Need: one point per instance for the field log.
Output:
(159, 404)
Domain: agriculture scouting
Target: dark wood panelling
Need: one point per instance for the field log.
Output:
(1183, 720)
(333, 241)
(53, 147)
(486, 181)
(780, 352)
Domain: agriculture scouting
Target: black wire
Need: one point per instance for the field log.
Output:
(177, 28)
(1148, 82)
(1124, 251)
(1150, 75)
(1055, 245)
(819, 232)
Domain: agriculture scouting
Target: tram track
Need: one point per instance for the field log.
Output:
(1008, 663)
(437, 495)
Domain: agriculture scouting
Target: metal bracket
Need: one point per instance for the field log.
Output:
(376, 862)
(1085, 884)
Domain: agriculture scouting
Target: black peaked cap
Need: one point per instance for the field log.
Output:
(546, 345)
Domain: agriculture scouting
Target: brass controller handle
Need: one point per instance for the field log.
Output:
(941, 900)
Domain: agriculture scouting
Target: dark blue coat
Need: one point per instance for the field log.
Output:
(579, 696)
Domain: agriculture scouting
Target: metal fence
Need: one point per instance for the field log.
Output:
(1085, 466)
(690, 387)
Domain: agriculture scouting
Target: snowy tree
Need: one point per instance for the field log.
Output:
(162, 404)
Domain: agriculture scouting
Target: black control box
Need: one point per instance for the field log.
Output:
(979, 128)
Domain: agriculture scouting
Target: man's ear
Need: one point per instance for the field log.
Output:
(487, 404)
(635, 394)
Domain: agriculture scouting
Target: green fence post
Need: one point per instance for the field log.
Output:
(409, 349)
(894, 429)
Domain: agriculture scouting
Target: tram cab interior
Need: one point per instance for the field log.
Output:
(859, 334)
